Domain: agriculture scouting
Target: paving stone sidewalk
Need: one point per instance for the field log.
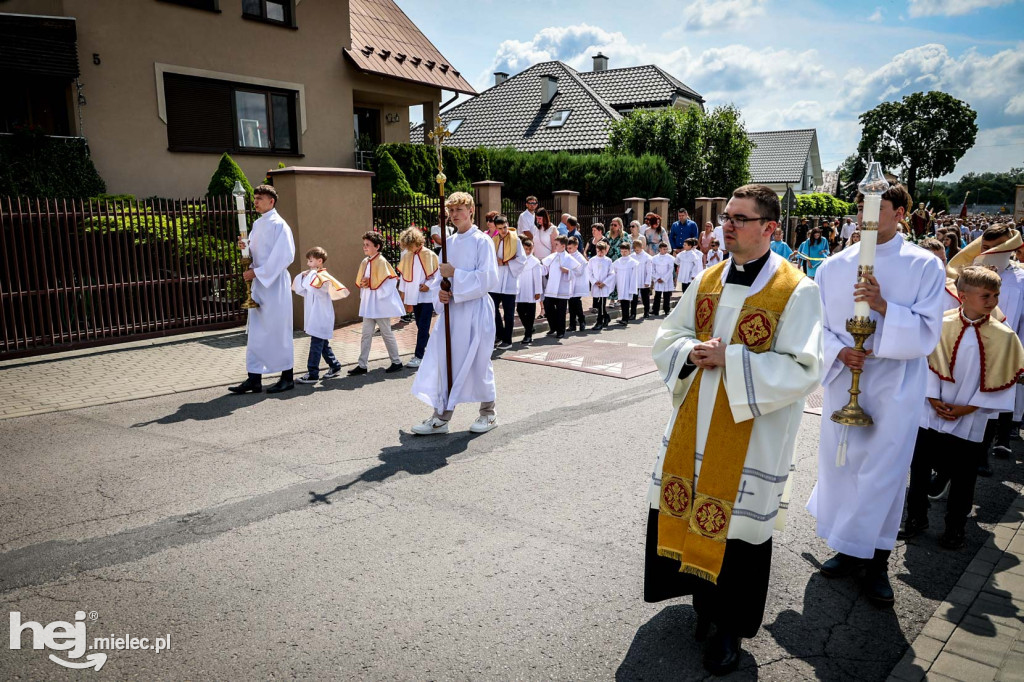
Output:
(144, 369)
(977, 633)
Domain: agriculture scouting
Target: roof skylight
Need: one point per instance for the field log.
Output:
(559, 118)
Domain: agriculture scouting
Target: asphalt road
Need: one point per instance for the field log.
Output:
(310, 536)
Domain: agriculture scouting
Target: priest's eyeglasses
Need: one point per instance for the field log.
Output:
(737, 220)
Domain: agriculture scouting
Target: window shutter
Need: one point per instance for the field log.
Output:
(199, 114)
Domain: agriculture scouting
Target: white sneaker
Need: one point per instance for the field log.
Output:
(413, 362)
(484, 424)
(431, 426)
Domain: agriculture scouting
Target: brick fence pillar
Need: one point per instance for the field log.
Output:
(659, 205)
(566, 201)
(488, 198)
(702, 211)
(637, 205)
(330, 208)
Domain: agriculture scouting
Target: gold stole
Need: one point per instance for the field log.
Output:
(511, 242)
(1002, 358)
(428, 259)
(693, 525)
(380, 271)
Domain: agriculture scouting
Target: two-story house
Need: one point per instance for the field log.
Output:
(161, 88)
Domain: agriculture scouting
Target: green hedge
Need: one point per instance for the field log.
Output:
(34, 165)
(823, 205)
(597, 177)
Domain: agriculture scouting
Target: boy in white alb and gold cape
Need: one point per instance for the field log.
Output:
(417, 282)
(378, 303)
(739, 353)
(973, 376)
(318, 289)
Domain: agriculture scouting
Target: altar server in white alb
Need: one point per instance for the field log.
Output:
(473, 272)
(378, 303)
(739, 353)
(269, 346)
(626, 271)
(510, 260)
(690, 261)
(602, 282)
(859, 502)
(662, 270)
(319, 290)
(531, 287)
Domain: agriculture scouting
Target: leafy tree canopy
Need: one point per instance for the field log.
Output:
(923, 135)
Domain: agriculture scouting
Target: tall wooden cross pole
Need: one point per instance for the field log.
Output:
(438, 135)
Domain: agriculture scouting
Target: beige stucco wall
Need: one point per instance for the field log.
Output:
(127, 137)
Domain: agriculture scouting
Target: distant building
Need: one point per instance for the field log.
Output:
(786, 158)
(552, 107)
(161, 88)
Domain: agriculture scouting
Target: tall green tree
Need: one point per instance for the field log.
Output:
(709, 153)
(851, 172)
(923, 135)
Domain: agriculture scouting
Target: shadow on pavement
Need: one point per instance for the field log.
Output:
(664, 649)
(431, 454)
(224, 406)
(839, 634)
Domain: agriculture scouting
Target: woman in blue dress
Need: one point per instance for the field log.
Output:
(814, 250)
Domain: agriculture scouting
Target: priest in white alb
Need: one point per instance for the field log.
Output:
(473, 272)
(739, 354)
(858, 500)
(269, 347)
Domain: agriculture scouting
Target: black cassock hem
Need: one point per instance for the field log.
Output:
(736, 603)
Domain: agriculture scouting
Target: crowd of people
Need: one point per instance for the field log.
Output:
(749, 339)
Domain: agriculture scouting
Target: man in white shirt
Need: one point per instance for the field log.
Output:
(849, 227)
(525, 224)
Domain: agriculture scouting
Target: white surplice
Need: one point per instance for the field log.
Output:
(531, 281)
(965, 389)
(662, 268)
(691, 264)
(318, 308)
(410, 290)
(382, 302)
(560, 284)
(859, 505)
(599, 269)
(626, 280)
(645, 268)
(472, 329)
(269, 346)
(508, 273)
(580, 282)
(767, 387)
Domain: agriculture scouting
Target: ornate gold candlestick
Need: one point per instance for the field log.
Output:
(852, 413)
(248, 303)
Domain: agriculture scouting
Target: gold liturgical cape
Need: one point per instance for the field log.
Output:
(1002, 361)
(380, 271)
(511, 242)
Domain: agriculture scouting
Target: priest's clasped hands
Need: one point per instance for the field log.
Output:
(709, 354)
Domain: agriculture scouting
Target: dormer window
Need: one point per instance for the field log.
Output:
(559, 118)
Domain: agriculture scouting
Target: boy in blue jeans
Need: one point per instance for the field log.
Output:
(319, 290)
(418, 283)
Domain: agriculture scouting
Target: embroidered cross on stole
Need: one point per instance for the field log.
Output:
(693, 524)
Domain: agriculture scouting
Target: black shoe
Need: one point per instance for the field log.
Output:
(984, 469)
(722, 654)
(357, 370)
(395, 367)
(550, 333)
(840, 566)
(876, 586)
(912, 528)
(282, 385)
(1001, 452)
(250, 385)
(559, 335)
(583, 327)
(572, 327)
(703, 629)
(622, 322)
(952, 538)
(527, 340)
(406, 318)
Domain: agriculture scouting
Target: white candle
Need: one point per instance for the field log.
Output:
(243, 231)
(868, 241)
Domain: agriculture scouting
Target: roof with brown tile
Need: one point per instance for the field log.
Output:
(386, 42)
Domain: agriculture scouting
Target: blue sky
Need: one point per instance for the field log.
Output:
(797, 64)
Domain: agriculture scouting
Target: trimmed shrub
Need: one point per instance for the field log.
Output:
(390, 178)
(34, 165)
(597, 177)
(822, 205)
(223, 180)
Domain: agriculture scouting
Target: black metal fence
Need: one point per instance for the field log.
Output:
(597, 212)
(392, 215)
(76, 273)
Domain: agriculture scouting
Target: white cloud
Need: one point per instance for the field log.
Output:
(736, 67)
(950, 8)
(877, 17)
(986, 82)
(718, 14)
